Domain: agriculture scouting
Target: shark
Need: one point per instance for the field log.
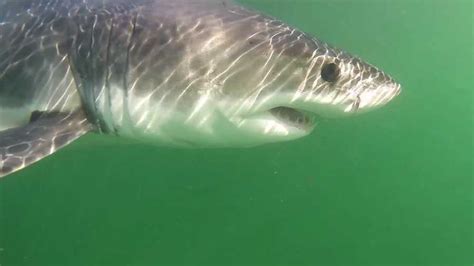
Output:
(182, 73)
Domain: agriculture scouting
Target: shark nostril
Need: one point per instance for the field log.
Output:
(356, 106)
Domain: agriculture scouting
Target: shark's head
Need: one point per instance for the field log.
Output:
(295, 84)
(233, 77)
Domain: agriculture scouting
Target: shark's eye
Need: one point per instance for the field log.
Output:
(330, 72)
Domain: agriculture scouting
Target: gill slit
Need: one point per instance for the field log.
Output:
(72, 58)
(90, 58)
(108, 100)
(126, 111)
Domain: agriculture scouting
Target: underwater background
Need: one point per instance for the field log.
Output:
(391, 187)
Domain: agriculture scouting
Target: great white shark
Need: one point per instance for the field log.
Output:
(187, 73)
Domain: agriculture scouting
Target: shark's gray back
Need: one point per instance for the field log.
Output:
(59, 54)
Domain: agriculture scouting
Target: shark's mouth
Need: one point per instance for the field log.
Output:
(297, 118)
(278, 123)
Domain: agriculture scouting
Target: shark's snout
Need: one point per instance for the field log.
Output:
(372, 99)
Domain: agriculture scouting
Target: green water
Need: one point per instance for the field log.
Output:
(391, 187)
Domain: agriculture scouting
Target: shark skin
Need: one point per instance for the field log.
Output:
(181, 73)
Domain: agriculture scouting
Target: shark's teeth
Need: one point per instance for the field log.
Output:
(293, 117)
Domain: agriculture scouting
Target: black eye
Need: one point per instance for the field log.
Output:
(330, 72)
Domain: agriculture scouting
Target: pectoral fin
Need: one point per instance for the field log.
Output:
(45, 134)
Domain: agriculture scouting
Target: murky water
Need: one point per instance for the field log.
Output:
(393, 186)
